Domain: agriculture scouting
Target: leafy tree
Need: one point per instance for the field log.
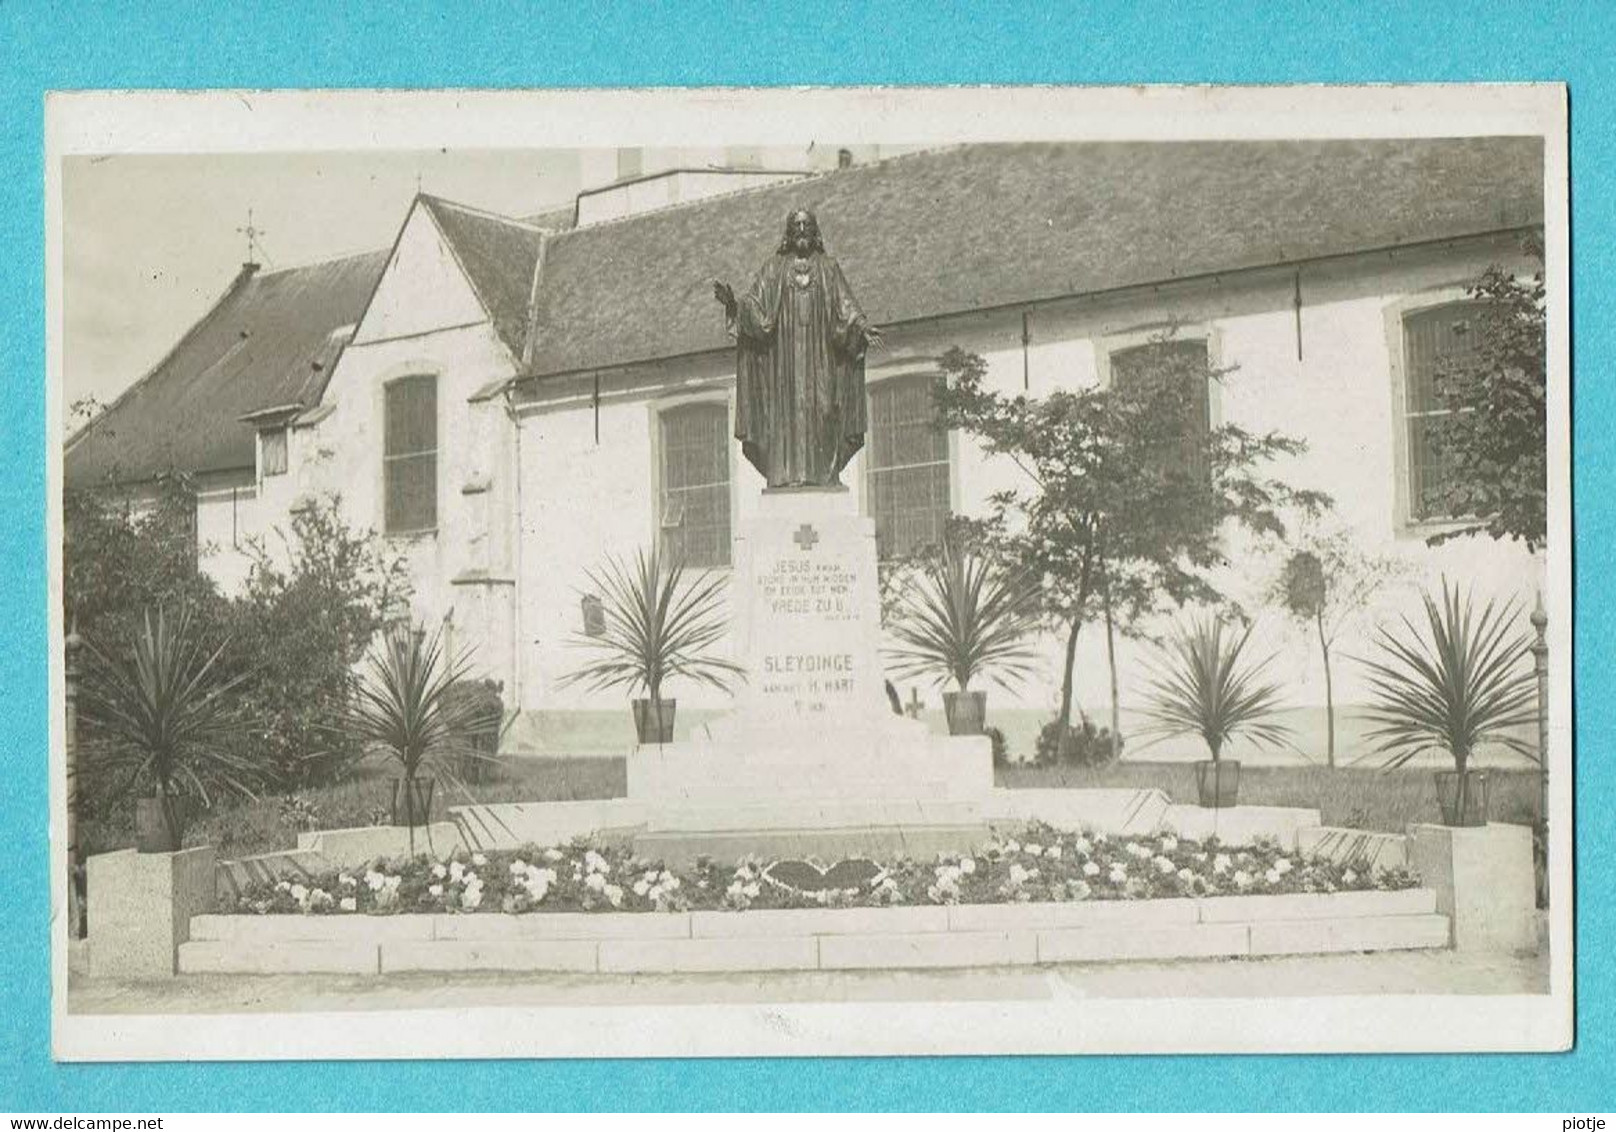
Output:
(1326, 581)
(304, 623)
(1125, 505)
(1494, 437)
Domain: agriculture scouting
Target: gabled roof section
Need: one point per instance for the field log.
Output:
(981, 226)
(271, 340)
(497, 255)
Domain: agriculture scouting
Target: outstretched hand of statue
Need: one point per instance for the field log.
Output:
(723, 293)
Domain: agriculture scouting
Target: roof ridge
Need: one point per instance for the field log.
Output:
(812, 175)
(486, 214)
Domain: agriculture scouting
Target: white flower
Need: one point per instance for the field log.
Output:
(595, 882)
(439, 871)
(1090, 869)
(456, 871)
(1012, 846)
(284, 886)
(471, 898)
(347, 881)
(1018, 875)
(1272, 876)
(1164, 866)
(1348, 877)
(640, 887)
(469, 877)
(1053, 852)
(299, 893)
(1137, 850)
(595, 863)
(1117, 875)
(1221, 863)
(518, 867)
(1282, 866)
(1033, 850)
(752, 890)
(615, 894)
(1242, 879)
(390, 884)
(1082, 845)
(349, 904)
(967, 865)
(1185, 875)
(479, 860)
(436, 890)
(1168, 844)
(553, 855)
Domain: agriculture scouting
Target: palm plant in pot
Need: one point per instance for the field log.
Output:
(1464, 682)
(407, 710)
(655, 626)
(1208, 686)
(963, 619)
(162, 713)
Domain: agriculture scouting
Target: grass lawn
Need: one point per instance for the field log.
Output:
(1361, 799)
(1348, 796)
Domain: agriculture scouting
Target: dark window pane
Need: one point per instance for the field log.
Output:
(1429, 338)
(412, 493)
(695, 484)
(412, 416)
(908, 466)
(1177, 358)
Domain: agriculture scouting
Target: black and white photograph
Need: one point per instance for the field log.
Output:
(810, 572)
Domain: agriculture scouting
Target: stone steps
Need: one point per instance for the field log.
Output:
(933, 936)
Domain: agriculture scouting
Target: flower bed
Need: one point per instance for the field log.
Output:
(1041, 864)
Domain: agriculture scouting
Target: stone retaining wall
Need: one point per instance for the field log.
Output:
(818, 939)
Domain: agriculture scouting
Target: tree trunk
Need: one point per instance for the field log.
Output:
(1329, 698)
(1066, 683)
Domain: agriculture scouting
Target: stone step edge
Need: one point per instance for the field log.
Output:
(890, 951)
(938, 918)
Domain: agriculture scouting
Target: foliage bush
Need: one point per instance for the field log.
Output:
(1084, 745)
(303, 624)
(483, 704)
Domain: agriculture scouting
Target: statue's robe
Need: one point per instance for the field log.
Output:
(799, 406)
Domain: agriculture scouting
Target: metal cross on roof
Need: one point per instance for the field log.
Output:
(252, 233)
(806, 536)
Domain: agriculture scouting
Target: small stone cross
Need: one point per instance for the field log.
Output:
(806, 536)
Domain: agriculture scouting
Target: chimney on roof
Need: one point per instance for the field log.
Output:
(844, 159)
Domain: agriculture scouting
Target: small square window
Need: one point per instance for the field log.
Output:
(272, 451)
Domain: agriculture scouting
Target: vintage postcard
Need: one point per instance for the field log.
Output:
(820, 571)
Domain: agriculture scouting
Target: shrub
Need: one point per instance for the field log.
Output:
(304, 624)
(481, 703)
(1084, 743)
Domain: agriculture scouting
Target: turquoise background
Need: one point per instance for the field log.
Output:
(267, 44)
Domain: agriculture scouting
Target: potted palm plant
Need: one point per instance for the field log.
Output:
(965, 619)
(162, 713)
(1208, 686)
(407, 709)
(1466, 681)
(654, 626)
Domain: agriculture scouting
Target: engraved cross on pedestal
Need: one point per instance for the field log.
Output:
(806, 536)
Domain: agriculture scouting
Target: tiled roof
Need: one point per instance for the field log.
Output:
(258, 347)
(978, 226)
(497, 254)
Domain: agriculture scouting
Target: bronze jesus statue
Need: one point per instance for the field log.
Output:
(800, 340)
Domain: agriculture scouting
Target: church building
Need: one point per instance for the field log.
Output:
(507, 401)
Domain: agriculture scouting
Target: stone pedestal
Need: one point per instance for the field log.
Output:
(1483, 881)
(140, 909)
(813, 731)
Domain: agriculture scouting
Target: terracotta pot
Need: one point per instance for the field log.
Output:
(413, 807)
(1218, 783)
(1474, 807)
(653, 720)
(966, 712)
(159, 823)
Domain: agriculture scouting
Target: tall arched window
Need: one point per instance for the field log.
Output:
(1430, 337)
(410, 454)
(695, 445)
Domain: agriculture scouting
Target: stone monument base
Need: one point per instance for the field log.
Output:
(812, 759)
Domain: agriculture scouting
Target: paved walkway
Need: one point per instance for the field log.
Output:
(1408, 972)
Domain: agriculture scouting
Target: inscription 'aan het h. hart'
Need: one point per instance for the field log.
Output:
(805, 586)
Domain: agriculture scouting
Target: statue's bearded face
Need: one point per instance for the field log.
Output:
(802, 232)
